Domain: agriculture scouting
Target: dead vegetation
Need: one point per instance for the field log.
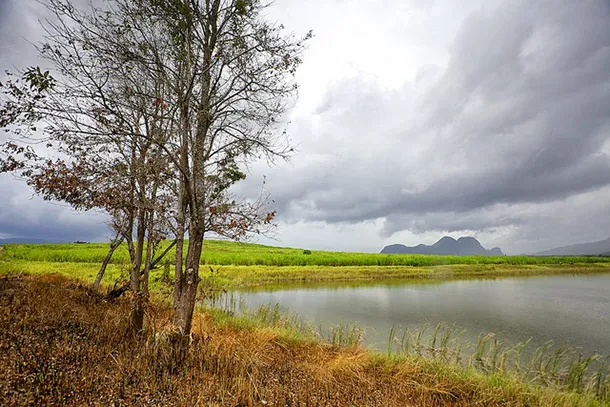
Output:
(62, 344)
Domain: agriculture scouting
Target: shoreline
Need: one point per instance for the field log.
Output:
(242, 277)
(232, 361)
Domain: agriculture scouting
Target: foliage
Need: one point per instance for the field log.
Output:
(155, 108)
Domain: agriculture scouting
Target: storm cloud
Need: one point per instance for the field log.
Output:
(418, 119)
(519, 118)
(24, 215)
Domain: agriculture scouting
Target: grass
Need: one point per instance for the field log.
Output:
(555, 367)
(268, 276)
(62, 344)
(224, 253)
(488, 375)
(233, 265)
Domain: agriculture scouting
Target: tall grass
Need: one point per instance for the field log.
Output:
(247, 254)
(63, 344)
(548, 365)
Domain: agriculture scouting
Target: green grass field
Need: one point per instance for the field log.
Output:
(221, 253)
(230, 264)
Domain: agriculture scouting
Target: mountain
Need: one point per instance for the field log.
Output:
(582, 249)
(464, 246)
(24, 240)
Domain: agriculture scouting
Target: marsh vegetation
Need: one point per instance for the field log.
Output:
(64, 344)
(445, 364)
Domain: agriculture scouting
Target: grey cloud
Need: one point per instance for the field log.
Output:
(508, 137)
(519, 116)
(519, 228)
(580, 218)
(487, 219)
(4, 4)
(25, 216)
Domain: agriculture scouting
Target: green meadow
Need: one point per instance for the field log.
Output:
(232, 264)
(217, 252)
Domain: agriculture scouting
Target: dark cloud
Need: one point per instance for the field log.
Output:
(23, 215)
(520, 116)
(504, 133)
(26, 216)
(4, 4)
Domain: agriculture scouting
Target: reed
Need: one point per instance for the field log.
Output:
(549, 365)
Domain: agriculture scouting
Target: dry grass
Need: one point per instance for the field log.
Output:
(61, 344)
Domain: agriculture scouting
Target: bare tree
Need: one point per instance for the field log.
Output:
(232, 77)
(180, 96)
(101, 127)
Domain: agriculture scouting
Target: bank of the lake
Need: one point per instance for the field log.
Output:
(63, 344)
(239, 276)
(571, 310)
(265, 268)
(232, 265)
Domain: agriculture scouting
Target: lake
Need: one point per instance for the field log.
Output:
(571, 310)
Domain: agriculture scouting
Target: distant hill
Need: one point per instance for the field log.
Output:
(464, 246)
(23, 240)
(582, 249)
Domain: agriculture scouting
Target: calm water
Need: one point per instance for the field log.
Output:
(570, 310)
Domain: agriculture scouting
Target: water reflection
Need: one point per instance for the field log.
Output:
(573, 311)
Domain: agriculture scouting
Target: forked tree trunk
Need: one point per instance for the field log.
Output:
(114, 244)
(187, 294)
(187, 285)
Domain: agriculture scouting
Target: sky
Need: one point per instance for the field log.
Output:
(415, 119)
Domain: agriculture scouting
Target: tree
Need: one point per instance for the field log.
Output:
(175, 98)
(100, 119)
(232, 75)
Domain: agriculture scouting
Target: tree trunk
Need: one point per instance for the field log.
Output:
(114, 244)
(182, 206)
(185, 293)
(137, 311)
(185, 306)
(179, 262)
(136, 318)
(149, 257)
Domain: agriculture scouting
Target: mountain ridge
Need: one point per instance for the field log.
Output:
(447, 245)
(600, 247)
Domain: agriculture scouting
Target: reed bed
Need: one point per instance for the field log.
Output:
(554, 367)
(548, 365)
